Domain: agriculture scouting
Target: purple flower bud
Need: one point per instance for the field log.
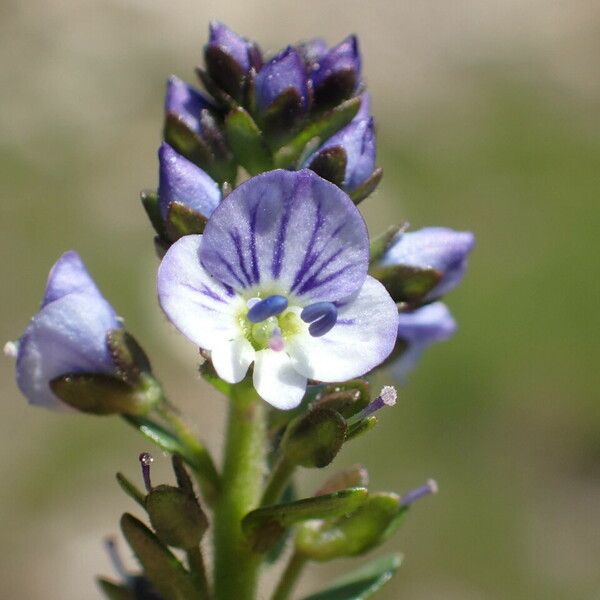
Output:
(67, 335)
(312, 51)
(230, 43)
(186, 103)
(285, 73)
(182, 181)
(357, 140)
(439, 248)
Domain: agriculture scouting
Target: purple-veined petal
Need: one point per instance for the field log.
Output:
(220, 36)
(202, 308)
(276, 380)
(231, 358)
(68, 335)
(284, 71)
(182, 181)
(290, 229)
(186, 102)
(363, 337)
(68, 275)
(344, 56)
(437, 247)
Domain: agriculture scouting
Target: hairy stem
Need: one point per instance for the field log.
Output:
(289, 577)
(236, 566)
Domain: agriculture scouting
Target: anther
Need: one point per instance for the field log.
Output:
(387, 397)
(146, 460)
(322, 316)
(263, 309)
(430, 487)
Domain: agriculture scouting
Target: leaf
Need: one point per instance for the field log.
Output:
(247, 142)
(162, 568)
(114, 591)
(131, 489)
(363, 582)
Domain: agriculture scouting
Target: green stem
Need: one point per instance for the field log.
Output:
(290, 577)
(280, 475)
(198, 569)
(236, 566)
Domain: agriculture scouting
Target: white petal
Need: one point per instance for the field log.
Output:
(276, 380)
(231, 359)
(362, 338)
(199, 306)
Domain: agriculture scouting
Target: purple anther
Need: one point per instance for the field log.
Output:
(269, 307)
(322, 316)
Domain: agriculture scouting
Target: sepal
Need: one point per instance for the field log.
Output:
(405, 283)
(182, 220)
(128, 356)
(381, 243)
(330, 164)
(151, 206)
(367, 187)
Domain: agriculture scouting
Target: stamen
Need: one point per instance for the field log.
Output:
(146, 460)
(276, 340)
(322, 316)
(11, 349)
(431, 487)
(115, 558)
(387, 397)
(269, 307)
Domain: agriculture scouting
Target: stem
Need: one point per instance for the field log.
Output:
(280, 475)
(198, 569)
(290, 577)
(236, 566)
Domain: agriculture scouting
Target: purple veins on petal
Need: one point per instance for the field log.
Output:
(269, 307)
(322, 317)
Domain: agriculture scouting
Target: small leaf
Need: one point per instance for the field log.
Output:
(127, 355)
(131, 490)
(247, 143)
(264, 526)
(182, 220)
(114, 591)
(330, 164)
(355, 476)
(366, 188)
(323, 128)
(150, 203)
(363, 582)
(160, 565)
(405, 283)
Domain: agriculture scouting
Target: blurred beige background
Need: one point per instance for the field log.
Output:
(488, 120)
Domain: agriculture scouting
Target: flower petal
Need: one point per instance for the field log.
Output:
(232, 44)
(68, 275)
(425, 325)
(186, 102)
(68, 335)
(182, 181)
(364, 335)
(276, 380)
(344, 56)
(292, 231)
(201, 308)
(232, 358)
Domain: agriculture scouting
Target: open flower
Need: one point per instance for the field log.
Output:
(279, 279)
(67, 335)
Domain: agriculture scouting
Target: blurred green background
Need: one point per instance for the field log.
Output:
(488, 120)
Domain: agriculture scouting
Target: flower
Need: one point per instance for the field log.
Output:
(67, 335)
(418, 329)
(182, 181)
(439, 248)
(186, 103)
(279, 279)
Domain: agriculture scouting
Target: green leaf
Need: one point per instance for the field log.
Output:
(182, 220)
(114, 591)
(247, 142)
(161, 567)
(131, 490)
(264, 526)
(363, 582)
(406, 283)
(366, 188)
(150, 203)
(100, 394)
(323, 128)
(127, 355)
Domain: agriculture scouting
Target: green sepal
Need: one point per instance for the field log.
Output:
(264, 526)
(281, 118)
(160, 565)
(247, 142)
(347, 398)
(176, 516)
(131, 490)
(314, 439)
(322, 127)
(209, 374)
(335, 88)
(331, 164)
(181, 475)
(186, 142)
(224, 79)
(405, 283)
(361, 427)
(367, 187)
(182, 220)
(354, 476)
(381, 243)
(127, 355)
(150, 203)
(99, 394)
(115, 591)
(278, 419)
(351, 535)
(363, 582)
